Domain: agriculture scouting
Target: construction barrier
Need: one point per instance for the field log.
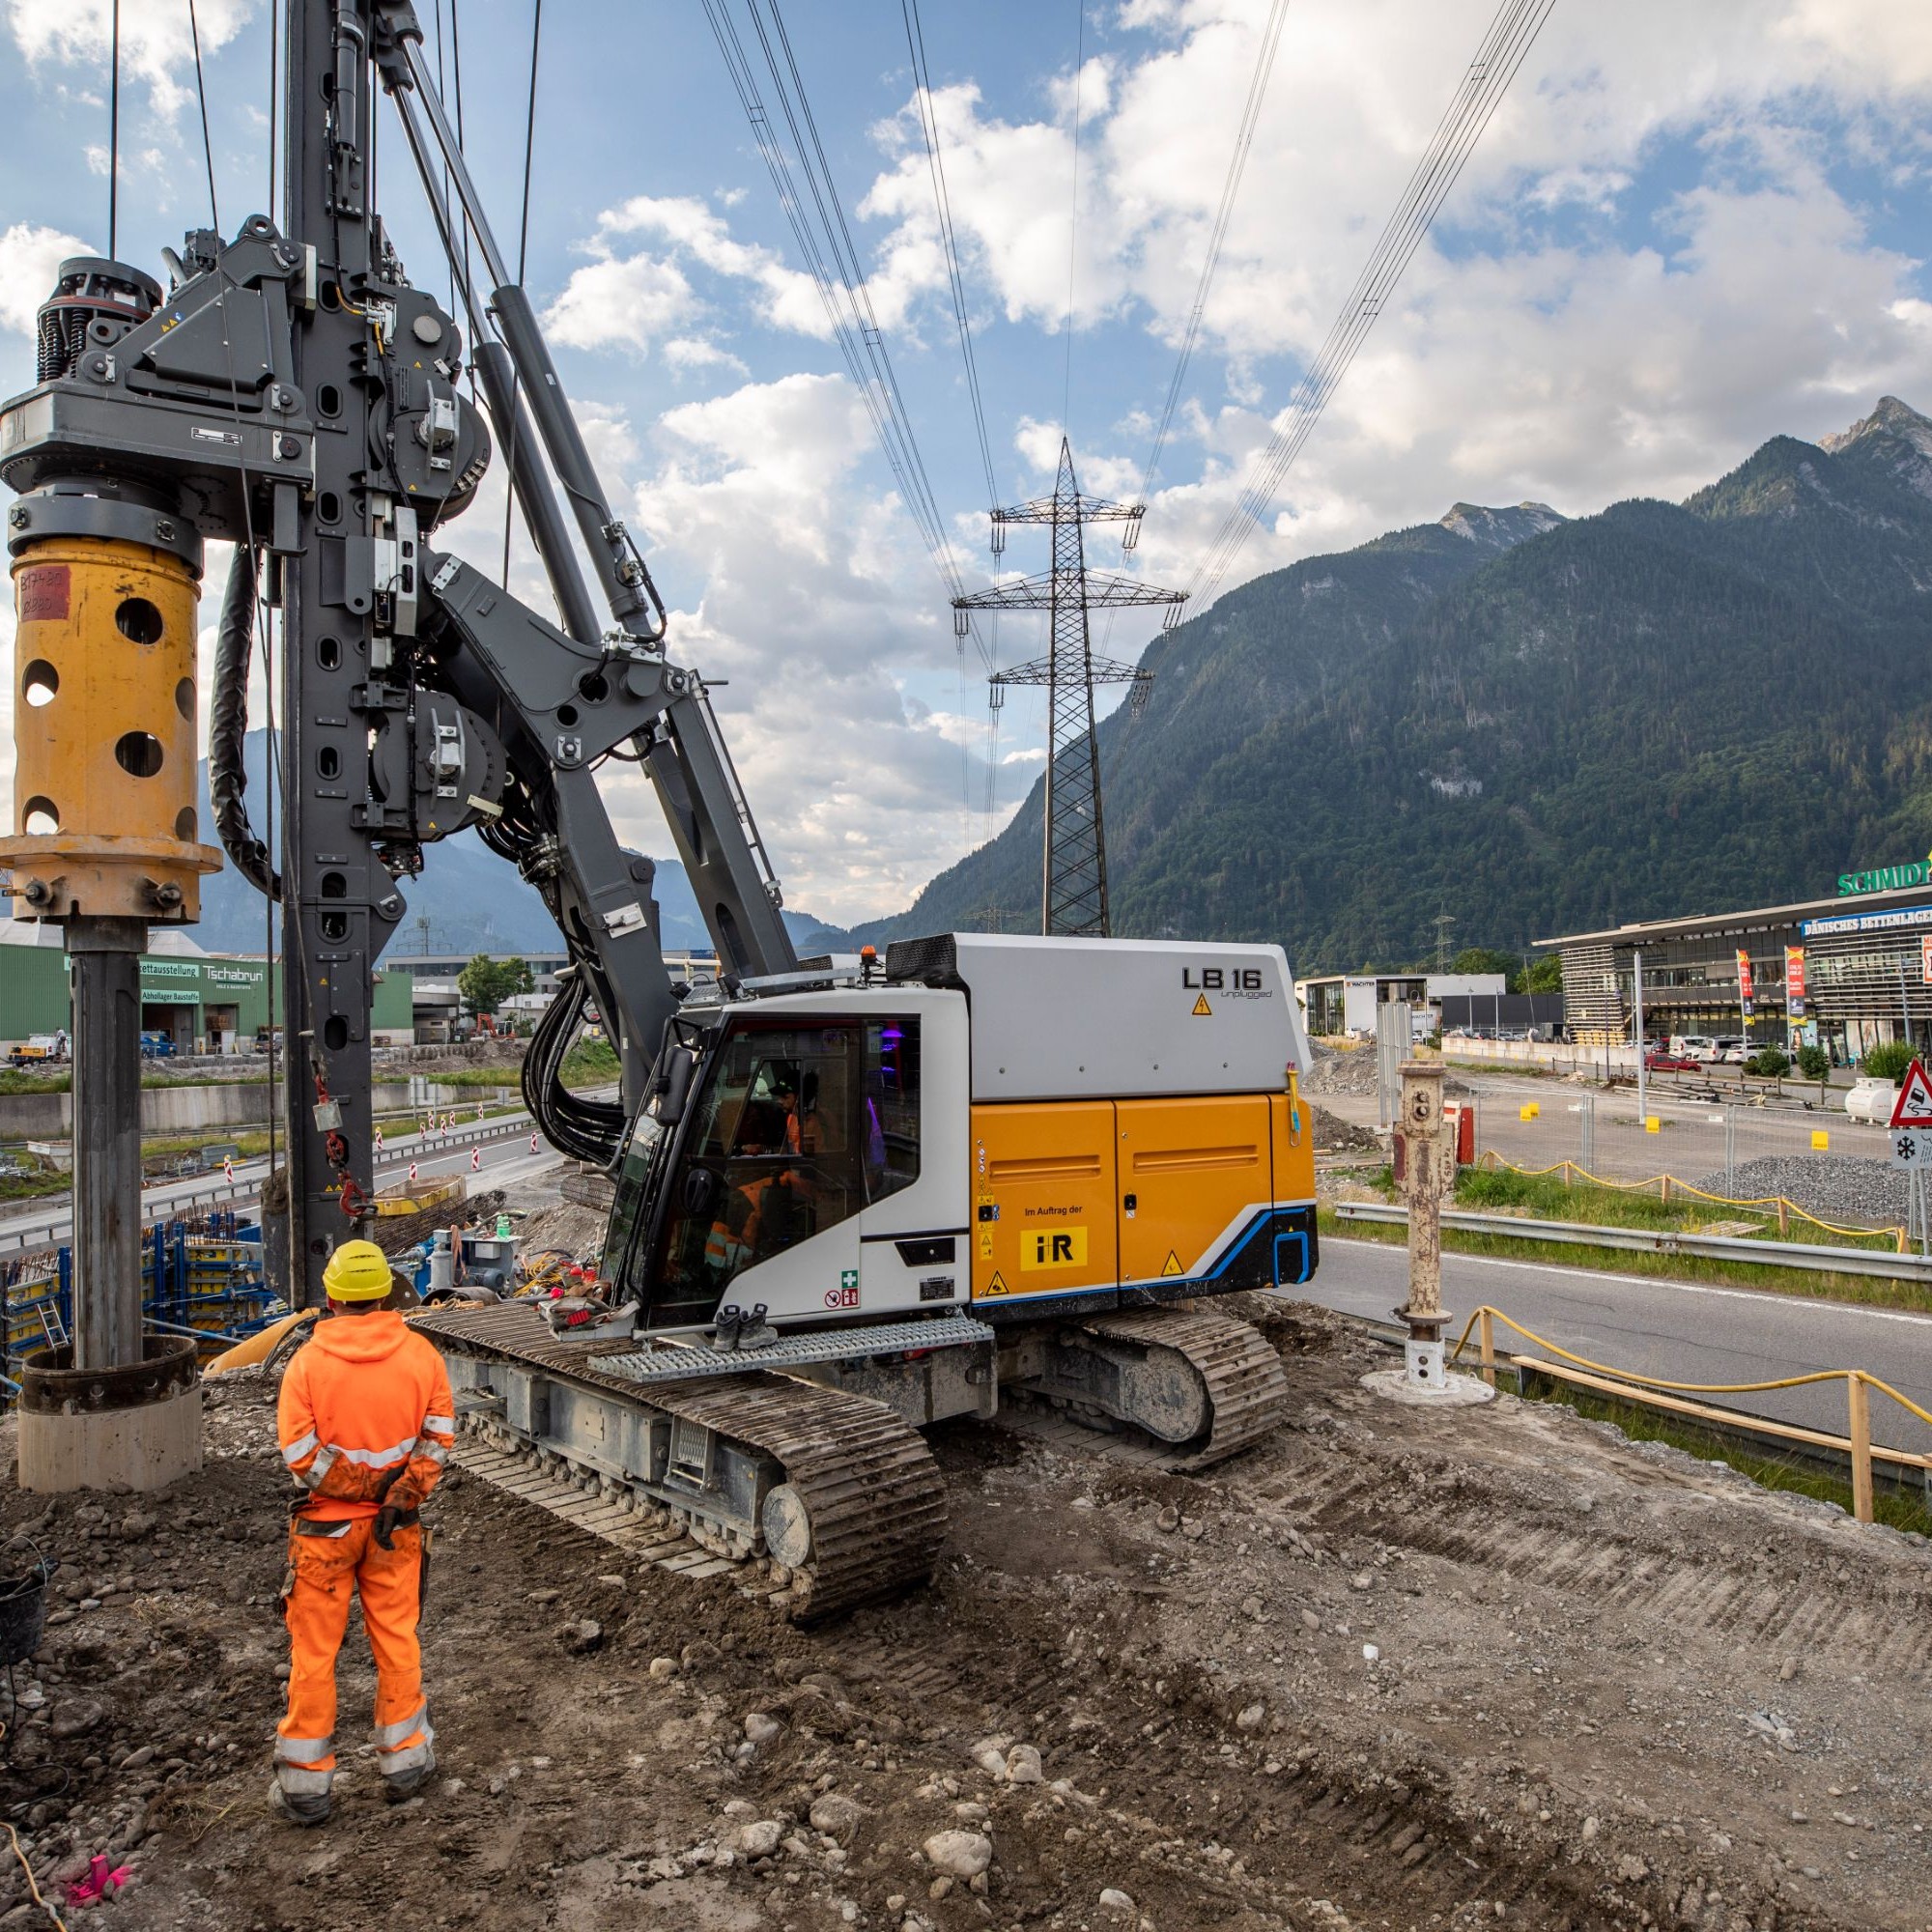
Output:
(1653, 1391)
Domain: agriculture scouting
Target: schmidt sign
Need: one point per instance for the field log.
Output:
(1888, 878)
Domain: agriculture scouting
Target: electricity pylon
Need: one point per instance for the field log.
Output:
(1073, 889)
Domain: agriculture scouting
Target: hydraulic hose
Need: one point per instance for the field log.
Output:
(228, 729)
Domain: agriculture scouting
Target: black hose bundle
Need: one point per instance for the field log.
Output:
(228, 729)
(588, 1130)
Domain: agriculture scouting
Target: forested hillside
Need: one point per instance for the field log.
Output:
(1534, 724)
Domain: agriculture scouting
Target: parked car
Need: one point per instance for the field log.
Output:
(1871, 1100)
(1733, 1049)
(1661, 1059)
(157, 1045)
(1694, 1046)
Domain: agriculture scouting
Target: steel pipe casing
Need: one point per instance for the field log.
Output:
(104, 734)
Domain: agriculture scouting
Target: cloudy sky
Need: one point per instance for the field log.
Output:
(1688, 228)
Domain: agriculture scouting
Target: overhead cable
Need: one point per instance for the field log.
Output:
(1244, 138)
(1481, 89)
(810, 200)
(928, 121)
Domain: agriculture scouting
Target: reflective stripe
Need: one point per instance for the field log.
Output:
(395, 1762)
(305, 1750)
(304, 1784)
(325, 1460)
(373, 1458)
(436, 1452)
(389, 1736)
(445, 1425)
(300, 1447)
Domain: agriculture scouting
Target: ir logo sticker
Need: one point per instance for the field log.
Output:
(1054, 1248)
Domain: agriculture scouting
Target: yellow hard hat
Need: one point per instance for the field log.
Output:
(357, 1271)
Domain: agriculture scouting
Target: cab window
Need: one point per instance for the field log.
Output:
(797, 1128)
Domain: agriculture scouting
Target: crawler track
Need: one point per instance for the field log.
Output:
(869, 1485)
(1243, 1373)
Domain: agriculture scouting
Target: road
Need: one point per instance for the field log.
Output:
(1685, 1331)
(1692, 1140)
(505, 1155)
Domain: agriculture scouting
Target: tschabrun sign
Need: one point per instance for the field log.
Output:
(1888, 878)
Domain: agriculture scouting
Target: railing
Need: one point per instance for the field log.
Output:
(1664, 1241)
(1653, 1391)
(25, 1239)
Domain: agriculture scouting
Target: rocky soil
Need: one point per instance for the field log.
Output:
(1840, 1186)
(1393, 1668)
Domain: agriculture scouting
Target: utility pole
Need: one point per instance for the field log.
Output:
(1637, 961)
(1445, 925)
(1073, 884)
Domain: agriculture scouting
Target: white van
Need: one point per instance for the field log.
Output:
(1695, 1045)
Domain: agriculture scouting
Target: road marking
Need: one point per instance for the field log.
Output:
(1760, 1294)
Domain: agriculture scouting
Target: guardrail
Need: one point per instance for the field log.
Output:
(1663, 1241)
(19, 1240)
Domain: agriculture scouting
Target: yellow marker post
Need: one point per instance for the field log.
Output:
(1528, 1111)
(1652, 1124)
(1821, 1139)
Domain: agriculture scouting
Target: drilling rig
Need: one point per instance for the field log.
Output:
(853, 1196)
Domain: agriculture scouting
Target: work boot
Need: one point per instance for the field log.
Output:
(405, 1784)
(753, 1330)
(724, 1327)
(304, 1811)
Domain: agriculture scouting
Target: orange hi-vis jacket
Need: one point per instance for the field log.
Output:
(367, 1417)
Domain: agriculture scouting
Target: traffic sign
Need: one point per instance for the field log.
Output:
(1911, 1147)
(1914, 1106)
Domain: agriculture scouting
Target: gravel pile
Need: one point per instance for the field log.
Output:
(1837, 1186)
(1338, 1073)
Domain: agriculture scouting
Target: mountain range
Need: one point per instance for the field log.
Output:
(1529, 723)
(467, 900)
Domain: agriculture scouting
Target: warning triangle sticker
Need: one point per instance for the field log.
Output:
(997, 1284)
(1914, 1106)
(1172, 1265)
(1202, 1010)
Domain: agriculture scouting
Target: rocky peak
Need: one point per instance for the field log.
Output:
(1894, 438)
(1500, 529)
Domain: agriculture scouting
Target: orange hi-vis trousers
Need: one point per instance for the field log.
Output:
(324, 1572)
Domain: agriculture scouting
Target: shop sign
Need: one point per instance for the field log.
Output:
(1887, 878)
(1794, 981)
(1867, 921)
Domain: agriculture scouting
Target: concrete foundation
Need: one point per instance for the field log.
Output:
(127, 1429)
(1456, 1391)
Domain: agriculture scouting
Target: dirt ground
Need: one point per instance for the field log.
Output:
(1389, 1669)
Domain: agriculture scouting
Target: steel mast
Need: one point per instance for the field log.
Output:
(1073, 883)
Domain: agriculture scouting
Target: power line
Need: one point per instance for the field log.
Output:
(114, 134)
(1073, 211)
(1509, 39)
(1244, 137)
(928, 121)
(825, 246)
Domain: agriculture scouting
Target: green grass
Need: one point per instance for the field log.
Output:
(1896, 1507)
(590, 1063)
(509, 1075)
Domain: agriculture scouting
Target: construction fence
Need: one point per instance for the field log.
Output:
(1813, 1170)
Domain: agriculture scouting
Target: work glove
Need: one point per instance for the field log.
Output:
(386, 1520)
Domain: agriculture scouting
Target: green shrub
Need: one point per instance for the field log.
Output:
(1887, 1061)
(1814, 1062)
(1768, 1062)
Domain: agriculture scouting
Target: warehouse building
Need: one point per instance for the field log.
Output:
(1337, 1003)
(1845, 972)
(201, 1001)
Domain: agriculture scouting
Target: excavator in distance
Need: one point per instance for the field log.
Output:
(854, 1196)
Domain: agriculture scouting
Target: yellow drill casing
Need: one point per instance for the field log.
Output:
(105, 738)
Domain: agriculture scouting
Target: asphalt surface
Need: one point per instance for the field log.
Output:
(1684, 1331)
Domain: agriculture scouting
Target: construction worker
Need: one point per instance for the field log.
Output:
(365, 1421)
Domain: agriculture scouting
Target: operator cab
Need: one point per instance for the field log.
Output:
(796, 1125)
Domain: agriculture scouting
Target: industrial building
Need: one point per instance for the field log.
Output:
(1844, 972)
(202, 1002)
(1347, 1002)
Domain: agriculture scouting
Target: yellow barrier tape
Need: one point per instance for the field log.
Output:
(1567, 1167)
(1685, 1389)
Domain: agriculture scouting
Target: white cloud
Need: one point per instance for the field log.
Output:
(633, 300)
(157, 46)
(690, 352)
(30, 257)
(815, 607)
